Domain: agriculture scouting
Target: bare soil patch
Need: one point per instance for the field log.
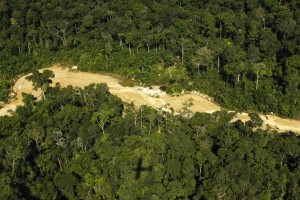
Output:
(139, 96)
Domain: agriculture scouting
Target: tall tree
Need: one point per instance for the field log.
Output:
(203, 58)
(260, 69)
(102, 118)
(41, 80)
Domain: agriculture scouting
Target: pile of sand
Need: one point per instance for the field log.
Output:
(154, 91)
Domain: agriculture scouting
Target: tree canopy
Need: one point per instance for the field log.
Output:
(87, 144)
(242, 49)
(54, 148)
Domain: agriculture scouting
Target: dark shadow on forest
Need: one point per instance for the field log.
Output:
(140, 168)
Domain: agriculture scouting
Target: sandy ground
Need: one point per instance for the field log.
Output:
(274, 122)
(139, 96)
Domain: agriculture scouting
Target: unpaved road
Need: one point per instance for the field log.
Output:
(139, 96)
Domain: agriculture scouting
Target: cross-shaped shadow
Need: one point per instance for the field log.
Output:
(139, 168)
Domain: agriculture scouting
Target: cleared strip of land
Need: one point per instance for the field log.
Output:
(139, 96)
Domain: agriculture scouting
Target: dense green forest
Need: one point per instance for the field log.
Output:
(86, 144)
(244, 53)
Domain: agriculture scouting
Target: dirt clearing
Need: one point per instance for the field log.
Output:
(139, 96)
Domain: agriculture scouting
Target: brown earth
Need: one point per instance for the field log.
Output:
(139, 97)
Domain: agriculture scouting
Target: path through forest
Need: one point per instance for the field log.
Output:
(139, 96)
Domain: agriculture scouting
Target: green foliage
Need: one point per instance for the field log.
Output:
(52, 149)
(41, 80)
(255, 120)
(228, 42)
(102, 117)
(248, 54)
(204, 58)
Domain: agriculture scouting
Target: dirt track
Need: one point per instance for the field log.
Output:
(138, 96)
